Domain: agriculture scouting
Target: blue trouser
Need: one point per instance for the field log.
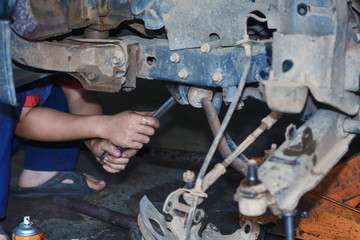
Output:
(40, 156)
(51, 156)
(8, 119)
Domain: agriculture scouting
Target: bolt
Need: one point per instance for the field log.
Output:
(169, 206)
(205, 48)
(198, 217)
(304, 214)
(213, 227)
(92, 76)
(116, 60)
(183, 73)
(303, 9)
(168, 218)
(217, 77)
(174, 58)
(188, 176)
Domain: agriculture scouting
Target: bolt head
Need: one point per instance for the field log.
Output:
(183, 74)
(116, 60)
(304, 214)
(205, 48)
(92, 76)
(217, 77)
(174, 58)
(189, 176)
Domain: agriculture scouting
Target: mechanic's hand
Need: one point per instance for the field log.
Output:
(115, 161)
(129, 129)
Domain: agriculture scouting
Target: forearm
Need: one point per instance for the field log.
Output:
(83, 102)
(45, 124)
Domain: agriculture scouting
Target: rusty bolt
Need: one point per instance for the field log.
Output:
(174, 58)
(205, 48)
(117, 61)
(217, 77)
(183, 73)
(92, 76)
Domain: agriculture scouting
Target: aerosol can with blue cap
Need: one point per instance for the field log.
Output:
(27, 231)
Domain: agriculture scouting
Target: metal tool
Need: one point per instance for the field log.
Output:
(157, 114)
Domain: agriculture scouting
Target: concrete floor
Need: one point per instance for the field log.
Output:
(183, 128)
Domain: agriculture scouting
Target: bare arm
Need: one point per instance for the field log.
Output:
(46, 124)
(126, 129)
(83, 102)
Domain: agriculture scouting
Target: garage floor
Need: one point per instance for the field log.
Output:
(183, 128)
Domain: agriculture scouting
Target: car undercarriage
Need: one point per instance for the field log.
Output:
(298, 57)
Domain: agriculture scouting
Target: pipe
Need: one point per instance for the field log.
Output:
(223, 147)
(100, 213)
(217, 101)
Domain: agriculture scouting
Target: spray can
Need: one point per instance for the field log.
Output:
(26, 231)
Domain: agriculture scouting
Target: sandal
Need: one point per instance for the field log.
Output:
(54, 186)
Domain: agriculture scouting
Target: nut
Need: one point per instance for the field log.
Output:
(92, 76)
(174, 58)
(205, 48)
(116, 60)
(196, 94)
(189, 176)
(183, 73)
(304, 214)
(217, 77)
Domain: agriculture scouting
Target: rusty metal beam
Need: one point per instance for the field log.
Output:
(99, 64)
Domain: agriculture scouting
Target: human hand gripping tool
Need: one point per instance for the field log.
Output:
(157, 114)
